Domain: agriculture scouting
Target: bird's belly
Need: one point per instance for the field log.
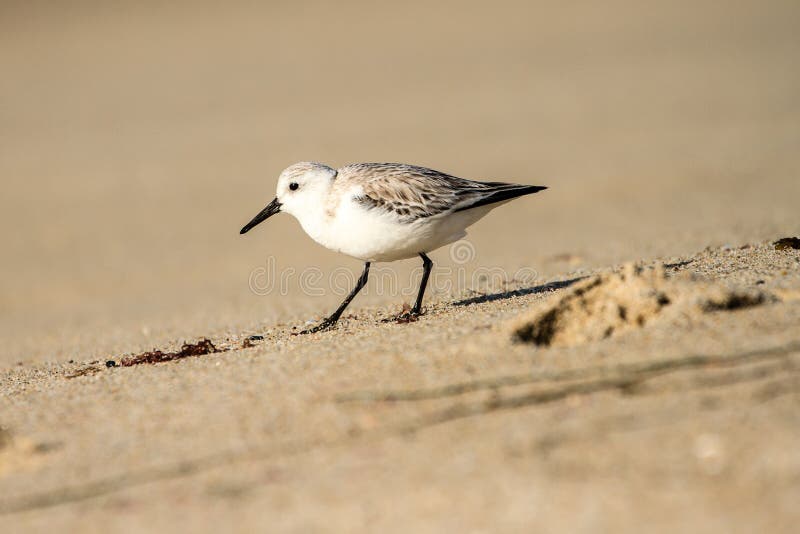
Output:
(371, 236)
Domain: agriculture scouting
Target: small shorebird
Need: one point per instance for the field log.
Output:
(383, 212)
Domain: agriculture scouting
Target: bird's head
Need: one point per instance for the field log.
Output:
(301, 189)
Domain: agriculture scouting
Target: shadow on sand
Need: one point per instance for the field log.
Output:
(544, 288)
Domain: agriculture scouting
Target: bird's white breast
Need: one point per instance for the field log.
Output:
(375, 235)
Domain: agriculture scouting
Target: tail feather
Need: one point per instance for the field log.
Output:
(503, 192)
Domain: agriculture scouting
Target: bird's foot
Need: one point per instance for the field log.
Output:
(327, 324)
(405, 317)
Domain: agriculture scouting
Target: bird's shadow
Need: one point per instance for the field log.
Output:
(544, 288)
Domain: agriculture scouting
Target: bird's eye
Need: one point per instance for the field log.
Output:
(293, 186)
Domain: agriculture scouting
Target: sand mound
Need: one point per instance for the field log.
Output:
(610, 304)
(19, 454)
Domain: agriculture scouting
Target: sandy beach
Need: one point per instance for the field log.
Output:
(617, 353)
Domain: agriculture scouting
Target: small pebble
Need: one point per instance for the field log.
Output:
(111, 363)
(710, 453)
(256, 338)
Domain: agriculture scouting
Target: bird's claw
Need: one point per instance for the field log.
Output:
(325, 325)
(404, 318)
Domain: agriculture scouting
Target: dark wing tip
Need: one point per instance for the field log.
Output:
(505, 193)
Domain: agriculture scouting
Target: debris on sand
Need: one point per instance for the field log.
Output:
(84, 371)
(609, 304)
(202, 347)
(252, 341)
(787, 243)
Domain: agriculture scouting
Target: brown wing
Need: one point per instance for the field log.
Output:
(411, 193)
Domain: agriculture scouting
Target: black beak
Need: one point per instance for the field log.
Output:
(273, 208)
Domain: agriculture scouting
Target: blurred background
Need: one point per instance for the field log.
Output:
(136, 138)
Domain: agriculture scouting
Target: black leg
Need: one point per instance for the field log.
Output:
(427, 265)
(416, 311)
(334, 317)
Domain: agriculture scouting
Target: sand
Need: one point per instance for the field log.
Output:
(136, 141)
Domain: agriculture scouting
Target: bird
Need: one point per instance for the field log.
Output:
(383, 212)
